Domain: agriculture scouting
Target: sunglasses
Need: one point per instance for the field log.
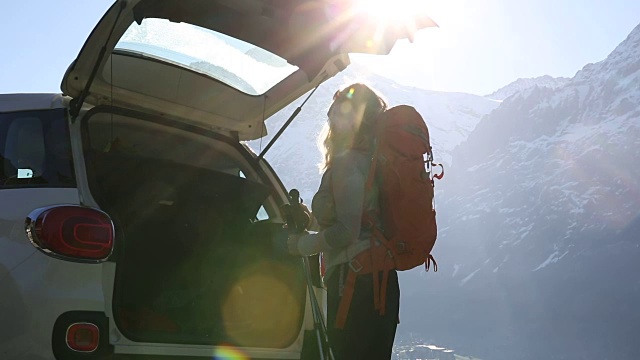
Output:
(349, 94)
(338, 102)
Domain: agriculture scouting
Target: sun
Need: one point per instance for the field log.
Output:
(404, 16)
(391, 11)
(407, 12)
(421, 54)
(409, 17)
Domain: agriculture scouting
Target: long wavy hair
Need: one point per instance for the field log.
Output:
(368, 105)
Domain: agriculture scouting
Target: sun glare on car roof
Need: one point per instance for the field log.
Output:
(246, 67)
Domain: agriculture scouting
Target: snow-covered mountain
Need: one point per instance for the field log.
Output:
(539, 212)
(539, 216)
(521, 85)
(295, 156)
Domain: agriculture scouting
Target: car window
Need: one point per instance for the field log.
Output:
(35, 150)
(246, 67)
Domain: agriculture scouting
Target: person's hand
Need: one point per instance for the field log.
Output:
(292, 244)
(304, 244)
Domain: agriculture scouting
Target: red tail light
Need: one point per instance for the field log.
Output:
(83, 337)
(71, 231)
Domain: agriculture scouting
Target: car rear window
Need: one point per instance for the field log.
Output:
(246, 67)
(35, 150)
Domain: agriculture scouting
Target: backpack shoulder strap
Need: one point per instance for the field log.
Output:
(368, 187)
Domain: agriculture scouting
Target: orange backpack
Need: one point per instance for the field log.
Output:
(407, 232)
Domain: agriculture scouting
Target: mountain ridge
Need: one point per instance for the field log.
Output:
(523, 84)
(539, 219)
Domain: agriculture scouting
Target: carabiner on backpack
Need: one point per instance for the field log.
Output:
(441, 175)
(431, 165)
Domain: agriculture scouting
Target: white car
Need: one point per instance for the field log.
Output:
(133, 219)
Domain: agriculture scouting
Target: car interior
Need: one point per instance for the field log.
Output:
(191, 222)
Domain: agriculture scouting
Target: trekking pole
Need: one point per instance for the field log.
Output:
(318, 319)
(295, 222)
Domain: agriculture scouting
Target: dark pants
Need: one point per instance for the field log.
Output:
(366, 334)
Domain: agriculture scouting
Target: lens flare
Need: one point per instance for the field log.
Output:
(350, 93)
(263, 308)
(226, 352)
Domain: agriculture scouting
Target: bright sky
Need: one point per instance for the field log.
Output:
(481, 45)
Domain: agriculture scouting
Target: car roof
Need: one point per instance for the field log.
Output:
(32, 101)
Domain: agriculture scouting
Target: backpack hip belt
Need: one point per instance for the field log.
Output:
(378, 258)
(373, 261)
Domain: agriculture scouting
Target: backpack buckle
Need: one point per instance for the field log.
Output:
(355, 265)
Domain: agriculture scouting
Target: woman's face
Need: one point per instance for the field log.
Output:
(345, 115)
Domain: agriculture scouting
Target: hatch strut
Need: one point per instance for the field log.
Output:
(76, 104)
(286, 124)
